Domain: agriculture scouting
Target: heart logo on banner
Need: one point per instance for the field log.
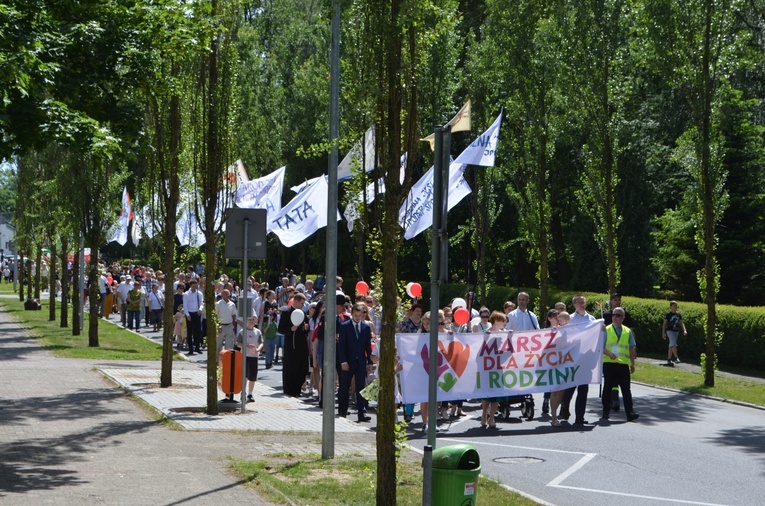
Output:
(440, 368)
(457, 355)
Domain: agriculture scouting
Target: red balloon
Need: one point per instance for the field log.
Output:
(362, 287)
(109, 280)
(461, 316)
(416, 290)
(290, 302)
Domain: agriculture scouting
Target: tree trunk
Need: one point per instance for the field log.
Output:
(542, 199)
(212, 329)
(38, 271)
(389, 107)
(710, 271)
(64, 283)
(52, 281)
(21, 269)
(172, 190)
(211, 163)
(77, 301)
(30, 278)
(93, 296)
(386, 411)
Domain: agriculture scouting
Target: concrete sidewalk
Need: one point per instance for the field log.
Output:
(69, 436)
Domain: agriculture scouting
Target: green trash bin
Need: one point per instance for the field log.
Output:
(455, 475)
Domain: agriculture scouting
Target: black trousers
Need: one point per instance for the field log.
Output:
(358, 371)
(581, 400)
(194, 331)
(616, 375)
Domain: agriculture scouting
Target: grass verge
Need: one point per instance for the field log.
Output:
(726, 387)
(310, 480)
(114, 342)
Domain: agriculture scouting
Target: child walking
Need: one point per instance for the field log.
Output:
(179, 327)
(254, 342)
(673, 322)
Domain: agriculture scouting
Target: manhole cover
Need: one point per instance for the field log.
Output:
(518, 460)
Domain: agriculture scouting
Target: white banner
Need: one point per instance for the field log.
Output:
(416, 213)
(305, 184)
(351, 212)
(187, 229)
(480, 366)
(304, 215)
(483, 150)
(135, 233)
(262, 193)
(356, 154)
(120, 230)
(143, 221)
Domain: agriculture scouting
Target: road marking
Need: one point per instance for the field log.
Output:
(638, 496)
(586, 457)
(514, 446)
(571, 470)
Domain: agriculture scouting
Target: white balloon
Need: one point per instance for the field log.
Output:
(409, 289)
(297, 317)
(458, 303)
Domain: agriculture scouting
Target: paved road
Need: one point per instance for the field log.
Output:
(684, 449)
(68, 436)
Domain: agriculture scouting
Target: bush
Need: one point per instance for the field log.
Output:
(742, 329)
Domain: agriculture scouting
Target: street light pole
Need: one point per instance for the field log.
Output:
(328, 376)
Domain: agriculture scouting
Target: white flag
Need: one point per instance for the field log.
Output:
(135, 233)
(120, 231)
(368, 195)
(416, 214)
(262, 193)
(483, 150)
(305, 184)
(144, 224)
(187, 229)
(241, 172)
(304, 215)
(356, 154)
(459, 123)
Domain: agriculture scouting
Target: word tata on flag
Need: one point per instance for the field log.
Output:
(304, 215)
(499, 364)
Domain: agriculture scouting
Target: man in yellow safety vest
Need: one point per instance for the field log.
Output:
(619, 356)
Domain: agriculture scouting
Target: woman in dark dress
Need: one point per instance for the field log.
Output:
(295, 367)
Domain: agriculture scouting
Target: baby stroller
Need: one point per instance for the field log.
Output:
(523, 402)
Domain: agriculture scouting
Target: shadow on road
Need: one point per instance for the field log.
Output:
(39, 463)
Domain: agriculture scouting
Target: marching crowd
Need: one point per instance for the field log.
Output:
(287, 325)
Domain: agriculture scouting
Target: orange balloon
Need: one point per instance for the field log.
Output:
(461, 316)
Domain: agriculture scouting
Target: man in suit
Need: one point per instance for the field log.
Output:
(355, 350)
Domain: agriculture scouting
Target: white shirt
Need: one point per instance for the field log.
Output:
(156, 299)
(578, 318)
(256, 303)
(192, 301)
(226, 311)
(123, 289)
(522, 320)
